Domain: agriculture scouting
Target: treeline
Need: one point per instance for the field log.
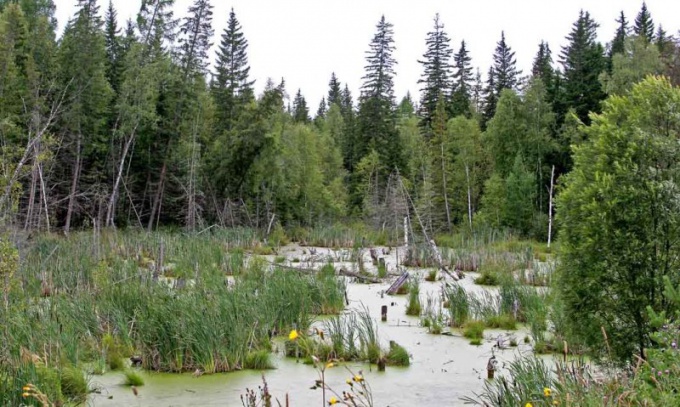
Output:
(130, 126)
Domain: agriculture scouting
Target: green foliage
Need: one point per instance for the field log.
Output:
(74, 385)
(639, 59)
(616, 212)
(474, 330)
(414, 306)
(258, 360)
(133, 378)
(398, 356)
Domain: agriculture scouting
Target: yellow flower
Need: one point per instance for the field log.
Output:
(349, 382)
(293, 335)
(329, 365)
(332, 401)
(556, 403)
(528, 405)
(547, 392)
(24, 395)
(358, 378)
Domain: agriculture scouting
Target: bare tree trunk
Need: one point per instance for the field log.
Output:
(157, 200)
(469, 195)
(550, 206)
(28, 224)
(446, 194)
(74, 187)
(111, 207)
(43, 191)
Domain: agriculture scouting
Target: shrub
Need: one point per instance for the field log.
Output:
(474, 330)
(133, 378)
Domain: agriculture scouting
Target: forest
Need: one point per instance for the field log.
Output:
(147, 140)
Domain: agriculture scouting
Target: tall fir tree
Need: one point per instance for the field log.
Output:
(114, 48)
(436, 76)
(582, 61)
(463, 83)
(334, 91)
(300, 110)
(490, 98)
(376, 118)
(618, 44)
(503, 75)
(232, 88)
(156, 25)
(644, 25)
(196, 33)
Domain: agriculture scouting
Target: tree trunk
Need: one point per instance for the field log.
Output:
(74, 187)
(445, 190)
(469, 195)
(155, 208)
(28, 224)
(550, 206)
(111, 207)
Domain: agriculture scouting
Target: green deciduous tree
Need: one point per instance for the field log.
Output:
(618, 215)
(640, 59)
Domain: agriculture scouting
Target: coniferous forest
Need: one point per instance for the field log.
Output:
(153, 129)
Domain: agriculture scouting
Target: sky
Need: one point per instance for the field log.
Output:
(304, 41)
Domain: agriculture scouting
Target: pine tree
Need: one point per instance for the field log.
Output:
(321, 110)
(231, 87)
(542, 66)
(463, 83)
(478, 93)
(300, 109)
(644, 25)
(436, 76)
(334, 91)
(582, 61)
(195, 35)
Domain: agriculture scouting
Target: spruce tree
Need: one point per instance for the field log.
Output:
(300, 109)
(644, 25)
(542, 66)
(156, 25)
(334, 91)
(376, 119)
(114, 48)
(82, 57)
(505, 67)
(503, 75)
(196, 33)
(463, 83)
(619, 42)
(490, 98)
(436, 76)
(582, 61)
(231, 87)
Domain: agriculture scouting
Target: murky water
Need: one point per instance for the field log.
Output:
(443, 368)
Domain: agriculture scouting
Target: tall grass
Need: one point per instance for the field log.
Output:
(81, 299)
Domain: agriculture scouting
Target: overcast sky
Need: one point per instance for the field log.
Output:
(304, 41)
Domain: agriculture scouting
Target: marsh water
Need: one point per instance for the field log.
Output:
(443, 368)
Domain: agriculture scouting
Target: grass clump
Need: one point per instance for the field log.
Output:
(74, 385)
(458, 304)
(398, 356)
(258, 360)
(474, 330)
(503, 321)
(431, 275)
(414, 307)
(487, 278)
(133, 378)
